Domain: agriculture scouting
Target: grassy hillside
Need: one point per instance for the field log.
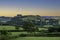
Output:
(38, 38)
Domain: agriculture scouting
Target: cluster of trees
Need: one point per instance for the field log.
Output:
(30, 27)
(37, 20)
(29, 24)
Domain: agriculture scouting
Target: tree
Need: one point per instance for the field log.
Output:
(54, 29)
(17, 27)
(29, 26)
(17, 21)
(5, 35)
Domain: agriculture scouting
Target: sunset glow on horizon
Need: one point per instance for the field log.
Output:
(30, 7)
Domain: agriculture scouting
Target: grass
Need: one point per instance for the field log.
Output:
(38, 38)
(43, 29)
(27, 38)
(17, 33)
(13, 28)
(8, 28)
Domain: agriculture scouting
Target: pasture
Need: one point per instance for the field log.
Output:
(27, 38)
(38, 38)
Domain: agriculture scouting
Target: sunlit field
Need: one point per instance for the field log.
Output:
(38, 38)
(8, 28)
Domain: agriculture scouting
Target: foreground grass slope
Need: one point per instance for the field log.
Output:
(38, 38)
(27, 38)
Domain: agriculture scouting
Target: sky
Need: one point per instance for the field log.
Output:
(30, 7)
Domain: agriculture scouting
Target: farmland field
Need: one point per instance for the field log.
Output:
(38, 38)
(8, 27)
(13, 28)
(27, 38)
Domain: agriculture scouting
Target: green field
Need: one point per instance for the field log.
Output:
(38, 38)
(8, 28)
(13, 28)
(27, 38)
